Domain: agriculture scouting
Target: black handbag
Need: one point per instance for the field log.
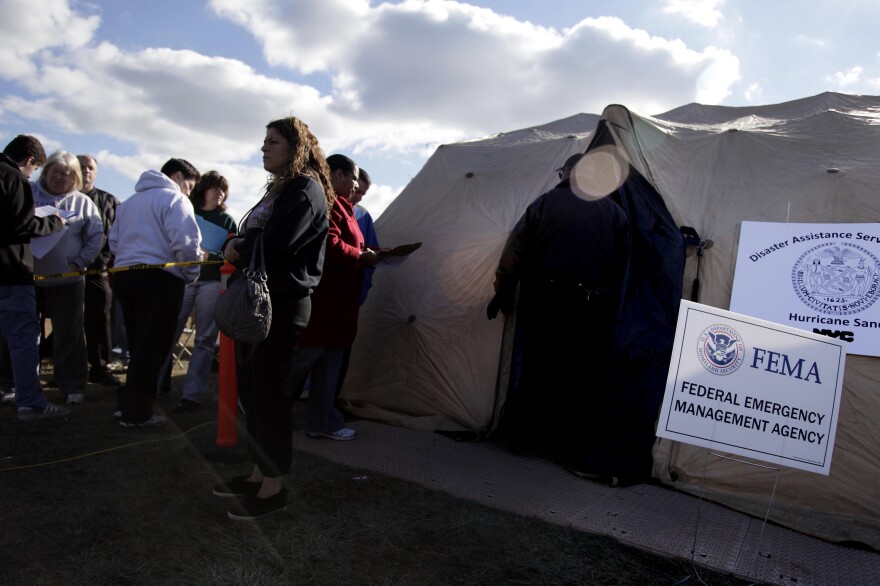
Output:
(244, 311)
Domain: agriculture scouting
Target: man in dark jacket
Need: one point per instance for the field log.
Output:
(98, 298)
(567, 254)
(18, 306)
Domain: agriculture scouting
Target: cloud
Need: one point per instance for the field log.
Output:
(814, 41)
(702, 12)
(650, 70)
(753, 93)
(380, 197)
(301, 34)
(50, 25)
(448, 65)
(159, 99)
(847, 78)
(389, 78)
(713, 83)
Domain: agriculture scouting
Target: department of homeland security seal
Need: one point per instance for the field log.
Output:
(837, 278)
(721, 349)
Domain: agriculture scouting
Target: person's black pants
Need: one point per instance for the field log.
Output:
(151, 301)
(566, 340)
(263, 380)
(98, 301)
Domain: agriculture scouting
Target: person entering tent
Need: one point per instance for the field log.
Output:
(567, 254)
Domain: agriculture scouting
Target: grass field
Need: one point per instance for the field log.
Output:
(87, 502)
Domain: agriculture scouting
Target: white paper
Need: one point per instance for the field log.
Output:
(44, 211)
(41, 245)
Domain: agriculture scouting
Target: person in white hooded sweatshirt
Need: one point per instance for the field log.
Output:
(156, 225)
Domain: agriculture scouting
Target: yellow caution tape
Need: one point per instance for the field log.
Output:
(139, 267)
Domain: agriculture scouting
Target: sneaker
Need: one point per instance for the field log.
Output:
(186, 406)
(254, 508)
(8, 397)
(117, 366)
(117, 414)
(75, 399)
(343, 435)
(103, 377)
(237, 486)
(611, 481)
(47, 412)
(153, 421)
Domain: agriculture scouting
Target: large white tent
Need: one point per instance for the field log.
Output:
(427, 357)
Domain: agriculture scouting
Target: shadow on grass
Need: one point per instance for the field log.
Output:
(87, 502)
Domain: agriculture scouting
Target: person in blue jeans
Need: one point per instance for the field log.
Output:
(209, 201)
(335, 304)
(19, 327)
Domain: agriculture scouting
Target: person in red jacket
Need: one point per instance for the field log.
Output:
(335, 304)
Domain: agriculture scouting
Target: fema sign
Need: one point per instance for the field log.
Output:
(823, 278)
(746, 386)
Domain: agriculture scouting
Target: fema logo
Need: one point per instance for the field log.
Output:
(837, 279)
(721, 349)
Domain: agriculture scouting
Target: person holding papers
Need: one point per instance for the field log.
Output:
(335, 305)
(19, 328)
(208, 198)
(62, 298)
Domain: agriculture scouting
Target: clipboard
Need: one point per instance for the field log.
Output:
(401, 250)
(397, 254)
(213, 236)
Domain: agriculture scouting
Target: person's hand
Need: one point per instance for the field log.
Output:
(230, 253)
(369, 258)
(494, 306)
(501, 302)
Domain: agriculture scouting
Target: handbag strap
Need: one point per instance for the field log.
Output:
(255, 266)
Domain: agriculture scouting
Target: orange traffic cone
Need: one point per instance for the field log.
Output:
(227, 391)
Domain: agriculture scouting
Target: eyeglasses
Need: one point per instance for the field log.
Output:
(59, 174)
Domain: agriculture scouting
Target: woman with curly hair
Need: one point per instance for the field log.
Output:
(292, 216)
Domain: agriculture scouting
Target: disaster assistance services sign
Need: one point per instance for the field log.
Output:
(823, 278)
(754, 388)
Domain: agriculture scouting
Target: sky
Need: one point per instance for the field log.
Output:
(135, 83)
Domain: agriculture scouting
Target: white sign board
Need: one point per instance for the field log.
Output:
(754, 388)
(823, 278)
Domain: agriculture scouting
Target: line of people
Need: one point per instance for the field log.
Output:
(318, 262)
(78, 306)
